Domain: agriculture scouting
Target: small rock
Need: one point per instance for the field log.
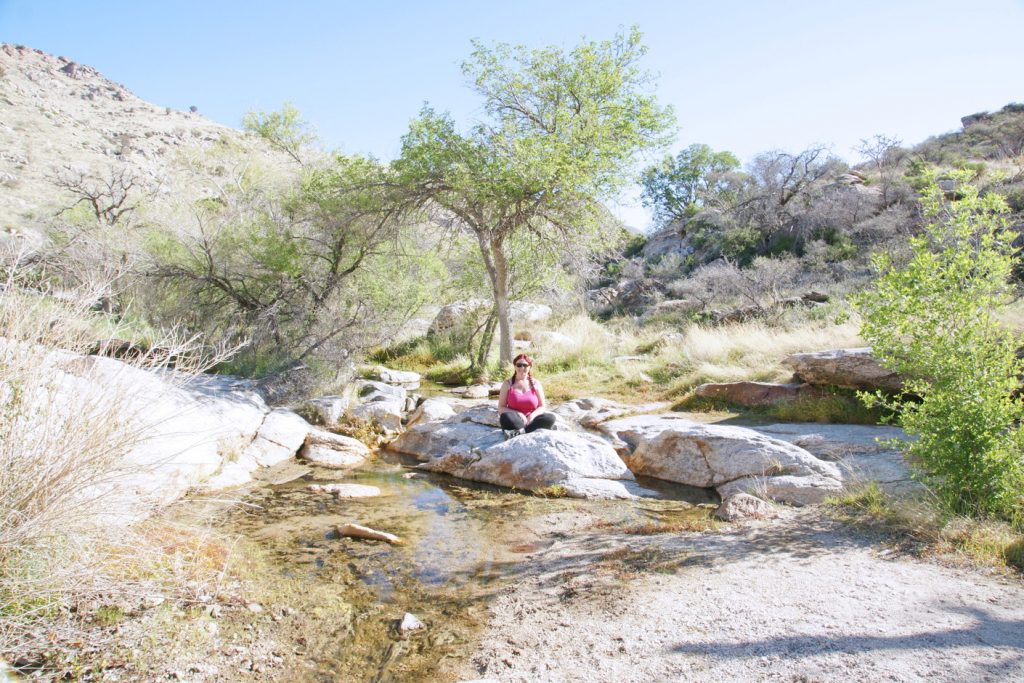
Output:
(347, 490)
(254, 607)
(410, 623)
(740, 506)
(153, 600)
(212, 628)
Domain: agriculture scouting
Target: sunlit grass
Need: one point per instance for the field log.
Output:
(919, 523)
(622, 361)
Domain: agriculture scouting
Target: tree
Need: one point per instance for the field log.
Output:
(934, 321)
(111, 198)
(680, 186)
(284, 130)
(561, 131)
(781, 187)
(884, 154)
(311, 274)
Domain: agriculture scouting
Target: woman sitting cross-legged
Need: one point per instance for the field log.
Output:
(521, 401)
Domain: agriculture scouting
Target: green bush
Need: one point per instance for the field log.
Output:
(933, 321)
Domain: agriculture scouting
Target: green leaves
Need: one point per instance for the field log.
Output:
(933, 320)
(696, 177)
(561, 133)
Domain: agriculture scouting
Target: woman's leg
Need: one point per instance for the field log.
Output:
(512, 421)
(542, 421)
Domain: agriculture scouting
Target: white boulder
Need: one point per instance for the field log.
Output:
(673, 448)
(334, 450)
(471, 446)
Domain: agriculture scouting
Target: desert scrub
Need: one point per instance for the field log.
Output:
(921, 526)
(933, 320)
(64, 435)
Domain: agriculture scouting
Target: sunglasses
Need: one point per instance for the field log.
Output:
(522, 365)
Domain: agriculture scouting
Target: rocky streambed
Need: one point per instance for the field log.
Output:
(334, 606)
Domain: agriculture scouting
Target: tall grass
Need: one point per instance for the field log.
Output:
(63, 440)
(750, 351)
(621, 360)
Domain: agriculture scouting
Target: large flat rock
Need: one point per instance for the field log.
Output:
(862, 452)
(673, 448)
(851, 368)
(470, 446)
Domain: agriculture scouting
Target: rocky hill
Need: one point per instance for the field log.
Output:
(59, 117)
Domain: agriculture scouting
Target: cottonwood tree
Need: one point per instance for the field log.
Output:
(935, 321)
(561, 131)
(697, 177)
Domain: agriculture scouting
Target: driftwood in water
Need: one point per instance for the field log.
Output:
(359, 531)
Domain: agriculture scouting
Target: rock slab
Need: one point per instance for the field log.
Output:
(470, 446)
(730, 459)
(850, 368)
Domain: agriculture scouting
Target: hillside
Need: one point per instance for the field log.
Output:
(58, 117)
(791, 222)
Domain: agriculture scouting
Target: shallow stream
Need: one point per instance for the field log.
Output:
(462, 542)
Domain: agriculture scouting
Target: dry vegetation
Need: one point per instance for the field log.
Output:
(916, 526)
(64, 554)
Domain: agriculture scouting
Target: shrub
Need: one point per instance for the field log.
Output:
(933, 321)
(63, 441)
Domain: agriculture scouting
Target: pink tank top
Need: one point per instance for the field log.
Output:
(524, 401)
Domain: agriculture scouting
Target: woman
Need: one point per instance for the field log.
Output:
(521, 401)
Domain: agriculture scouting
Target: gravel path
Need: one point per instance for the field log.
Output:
(798, 599)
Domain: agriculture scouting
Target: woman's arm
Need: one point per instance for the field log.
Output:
(541, 402)
(503, 398)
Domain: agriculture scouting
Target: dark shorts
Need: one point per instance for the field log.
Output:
(516, 421)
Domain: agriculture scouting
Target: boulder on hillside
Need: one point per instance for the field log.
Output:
(471, 446)
(458, 315)
(758, 394)
(669, 240)
(673, 448)
(850, 368)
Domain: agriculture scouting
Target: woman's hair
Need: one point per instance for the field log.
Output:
(529, 370)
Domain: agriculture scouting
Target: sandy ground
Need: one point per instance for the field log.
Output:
(801, 599)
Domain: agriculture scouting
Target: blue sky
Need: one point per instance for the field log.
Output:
(742, 76)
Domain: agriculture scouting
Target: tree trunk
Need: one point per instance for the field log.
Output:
(492, 251)
(479, 363)
(501, 303)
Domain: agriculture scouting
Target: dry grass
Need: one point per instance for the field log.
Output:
(64, 435)
(621, 360)
(919, 527)
(749, 351)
